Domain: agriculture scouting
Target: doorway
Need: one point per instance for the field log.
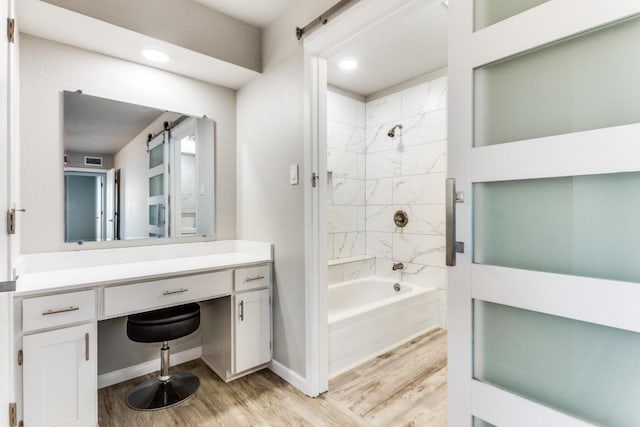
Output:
(84, 206)
(363, 142)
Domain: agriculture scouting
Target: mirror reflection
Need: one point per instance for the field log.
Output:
(134, 172)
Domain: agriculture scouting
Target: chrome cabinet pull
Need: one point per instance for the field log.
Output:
(62, 310)
(253, 279)
(242, 311)
(177, 291)
(86, 346)
(452, 246)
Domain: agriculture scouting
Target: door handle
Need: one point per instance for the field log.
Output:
(452, 246)
(242, 311)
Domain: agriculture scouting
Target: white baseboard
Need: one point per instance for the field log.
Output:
(124, 374)
(289, 376)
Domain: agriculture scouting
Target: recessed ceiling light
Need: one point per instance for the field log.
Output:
(155, 55)
(348, 64)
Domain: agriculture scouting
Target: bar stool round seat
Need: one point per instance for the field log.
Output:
(162, 326)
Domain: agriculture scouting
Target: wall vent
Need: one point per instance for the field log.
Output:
(92, 161)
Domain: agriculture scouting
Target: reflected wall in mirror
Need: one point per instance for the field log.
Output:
(134, 172)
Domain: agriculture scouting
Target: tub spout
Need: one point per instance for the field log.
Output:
(397, 266)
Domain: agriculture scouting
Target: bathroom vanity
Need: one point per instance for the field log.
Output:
(61, 297)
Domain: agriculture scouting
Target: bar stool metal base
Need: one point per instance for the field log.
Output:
(156, 394)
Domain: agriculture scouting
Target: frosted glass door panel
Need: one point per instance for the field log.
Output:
(477, 422)
(488, 12)
(584, 83)
(156, 156)
(586, 370)
(156, 185)
(584, 225)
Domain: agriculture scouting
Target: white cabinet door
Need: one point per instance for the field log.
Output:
(252, 329)
(60, 377)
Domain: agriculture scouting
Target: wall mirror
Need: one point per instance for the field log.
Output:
(135, 172)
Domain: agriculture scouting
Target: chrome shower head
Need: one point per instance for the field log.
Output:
(392, 131)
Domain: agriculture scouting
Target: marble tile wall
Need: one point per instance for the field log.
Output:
(373, 175)
(346, 178)
(407, 172)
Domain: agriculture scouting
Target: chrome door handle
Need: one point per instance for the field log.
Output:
(452, 246)
(242, 311)
(253, 279)
(62, 310)
(86, 346)
(177, 291)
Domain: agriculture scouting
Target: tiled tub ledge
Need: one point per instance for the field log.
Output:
(345, 269)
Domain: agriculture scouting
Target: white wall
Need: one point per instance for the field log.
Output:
(48, 68)
(271, 111)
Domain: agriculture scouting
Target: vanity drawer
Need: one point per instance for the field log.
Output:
(246, 279)
(57, 310)
(119, 300)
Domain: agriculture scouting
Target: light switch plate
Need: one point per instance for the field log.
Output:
(293, 174)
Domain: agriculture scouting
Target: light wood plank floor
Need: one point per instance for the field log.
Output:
(404, 387)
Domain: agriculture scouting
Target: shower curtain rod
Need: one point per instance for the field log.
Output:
(324, 18)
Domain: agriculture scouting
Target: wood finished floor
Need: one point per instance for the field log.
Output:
(404, 387)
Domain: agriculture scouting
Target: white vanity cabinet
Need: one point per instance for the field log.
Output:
(252, 329)
(237, 339)
(59, 378)
(61, 297)
(59, 361)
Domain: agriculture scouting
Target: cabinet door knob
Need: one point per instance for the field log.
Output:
(242, 311)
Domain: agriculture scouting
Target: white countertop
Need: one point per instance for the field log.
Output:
(68, 278)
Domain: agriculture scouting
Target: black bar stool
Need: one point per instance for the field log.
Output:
(162, 326)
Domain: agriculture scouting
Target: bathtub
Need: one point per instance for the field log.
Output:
(368, 317)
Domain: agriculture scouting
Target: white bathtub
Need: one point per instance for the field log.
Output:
(367, 317)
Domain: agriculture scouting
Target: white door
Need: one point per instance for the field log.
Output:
(158, 199)
(252, 329)
(60, 377)
(8, 199)
(109, 205)
(184, 178)
(544, 123)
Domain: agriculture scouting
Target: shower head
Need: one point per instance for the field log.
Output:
(392, 131)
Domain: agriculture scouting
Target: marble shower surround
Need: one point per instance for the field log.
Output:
(346, 178)
(375, 175)
(407, 172)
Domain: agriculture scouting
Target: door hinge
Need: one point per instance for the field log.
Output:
(11, 220)
(20, 357)
(314, 179)
(13, 415)
(11, 30)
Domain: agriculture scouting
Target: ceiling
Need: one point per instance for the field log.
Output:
(259, 13)
(408, 44)
(95, 125)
